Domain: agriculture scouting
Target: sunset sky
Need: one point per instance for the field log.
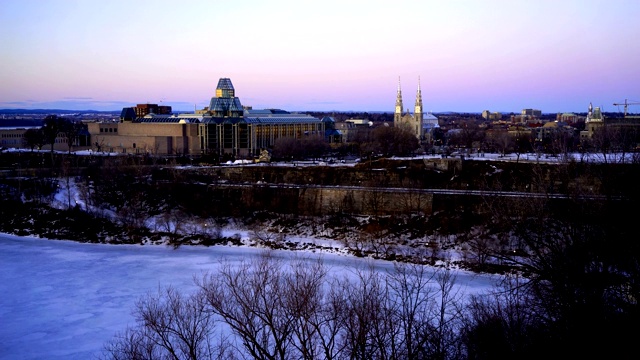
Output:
(297, 55)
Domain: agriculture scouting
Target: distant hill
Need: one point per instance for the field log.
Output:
(12, 123)
(53, 111)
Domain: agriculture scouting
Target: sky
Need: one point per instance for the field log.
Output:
(67, 298)
(331, 55)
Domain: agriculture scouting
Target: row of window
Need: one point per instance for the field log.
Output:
(20, 141)
(16, 136)
(111, 130)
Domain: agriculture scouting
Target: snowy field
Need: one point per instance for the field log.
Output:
(64, 300)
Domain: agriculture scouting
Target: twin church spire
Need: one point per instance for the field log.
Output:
(410, 122)
(417, 108)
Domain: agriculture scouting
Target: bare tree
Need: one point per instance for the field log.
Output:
(169, 326)
(51, 127)
(500, 324)
(317, 313)
(172, 222)
(72, 131)
(263, 236)
(133, 215)
(131, 344)
(445, 318)
(34, 138)
(368, 325)
(249, 300)
(374, 200)
(413, 300)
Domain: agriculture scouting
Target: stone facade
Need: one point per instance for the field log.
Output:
(410, 122)
(145, 138)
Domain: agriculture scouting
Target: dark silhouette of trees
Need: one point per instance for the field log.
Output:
(522, 144)
(267, 308)
(54, 125)
(172, 326)
(390, 141)
(34, 138)
(468, 136)
(502, 326)
(72, 130)
(51, 127)
(310, 147)
(581, 261)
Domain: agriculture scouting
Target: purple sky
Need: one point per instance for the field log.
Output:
(556, 56)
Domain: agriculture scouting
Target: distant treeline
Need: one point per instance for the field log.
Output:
(20, 122)
(54, 111)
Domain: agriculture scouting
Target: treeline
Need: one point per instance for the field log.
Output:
(269, 308)
(52, 127)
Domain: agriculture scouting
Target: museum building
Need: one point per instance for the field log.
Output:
(225, 127)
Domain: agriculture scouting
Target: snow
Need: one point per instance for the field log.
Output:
(597, 157)
(538, 157)
(64, 300)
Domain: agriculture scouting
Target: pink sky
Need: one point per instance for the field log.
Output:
(471, 56)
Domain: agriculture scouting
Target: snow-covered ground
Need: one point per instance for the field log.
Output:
(534, 157)
(64, 300)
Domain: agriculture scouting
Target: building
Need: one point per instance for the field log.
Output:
(552, 129)
(406, 120)
(334, 132)
(224, 128)
(623, 132)
(491, 116)
(420, 123)
(411, 122)
(594, 121)
(14, 136)
(569, 118)
(225, 104)
(146, 109)
(151, 134)
(229, 128)
(429, 123)
(256, 130)
(531, 113)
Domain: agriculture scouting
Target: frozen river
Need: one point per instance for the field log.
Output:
(64, 300)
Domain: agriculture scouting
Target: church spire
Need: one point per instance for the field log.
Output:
(419, 97)
(398, 113)
(417, 113)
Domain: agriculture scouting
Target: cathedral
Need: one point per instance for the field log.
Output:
(411, 122)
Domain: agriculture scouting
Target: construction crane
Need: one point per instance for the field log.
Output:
(626, 105)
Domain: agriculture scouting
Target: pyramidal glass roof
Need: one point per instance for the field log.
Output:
(225, 88)
(224, 105)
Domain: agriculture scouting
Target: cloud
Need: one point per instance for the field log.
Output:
(324, 102)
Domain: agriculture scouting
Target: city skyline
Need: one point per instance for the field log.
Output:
(470, 56)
